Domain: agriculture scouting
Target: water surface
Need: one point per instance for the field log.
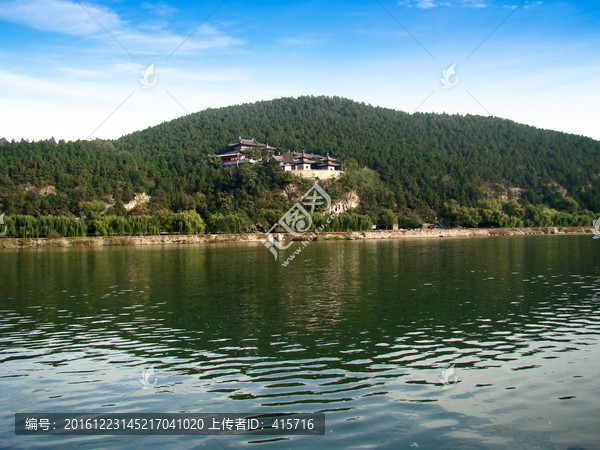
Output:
(360, 330)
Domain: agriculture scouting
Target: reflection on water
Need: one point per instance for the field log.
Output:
(359, 330)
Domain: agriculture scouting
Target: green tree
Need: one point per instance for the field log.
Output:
(188, 222)
(387, 219)
(91, 209)
(410, 220)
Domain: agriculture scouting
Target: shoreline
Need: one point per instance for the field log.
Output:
(101, 241)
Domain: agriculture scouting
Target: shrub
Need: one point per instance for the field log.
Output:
(410, 220)
(228, 223)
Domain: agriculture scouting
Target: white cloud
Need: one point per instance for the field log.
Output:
(430, 4)
(60, 16)
(113, 103)
(159, 8)
(95, 22)
(474, 4)
(423, 4)
(109, 102)
(14, 85)
(526, 5)
(532, 4)
(299, 41)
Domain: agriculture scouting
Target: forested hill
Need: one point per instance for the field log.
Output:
(423, 160)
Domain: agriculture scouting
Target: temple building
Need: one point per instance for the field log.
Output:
(306, 161)
(328, 163)
(245, 144)
(234, 158)
(246, 151)
(239, 152)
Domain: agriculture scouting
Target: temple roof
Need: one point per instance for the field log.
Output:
(250, 143)
(306, 158)
(306, 155)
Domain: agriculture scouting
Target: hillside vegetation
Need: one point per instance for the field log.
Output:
(470, 170)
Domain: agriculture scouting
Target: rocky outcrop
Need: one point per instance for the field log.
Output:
(350, 200)
(43, 191)
(319, 174)
(138, 199)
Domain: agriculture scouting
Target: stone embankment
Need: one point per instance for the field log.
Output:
(259, 237)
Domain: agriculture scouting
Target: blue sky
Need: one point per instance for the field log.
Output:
(80, 69)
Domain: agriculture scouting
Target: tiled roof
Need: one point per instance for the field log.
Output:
(250, 143)
(313, 156)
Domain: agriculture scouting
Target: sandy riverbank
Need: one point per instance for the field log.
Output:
(257, 237)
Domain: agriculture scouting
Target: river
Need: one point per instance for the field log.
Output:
(454, 343)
